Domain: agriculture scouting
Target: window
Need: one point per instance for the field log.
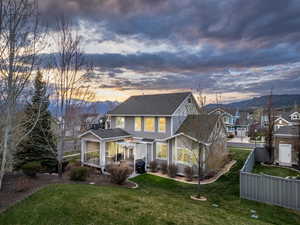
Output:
(137, 123)
(149, 124)
(185, 156)
(161, 150)
(162, 125)
(120, 122)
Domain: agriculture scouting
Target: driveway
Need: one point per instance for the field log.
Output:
(242, 142)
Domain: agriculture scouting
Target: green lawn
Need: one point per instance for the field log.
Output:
(156, 201)
(275, 171)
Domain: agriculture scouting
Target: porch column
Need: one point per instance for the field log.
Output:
(102, 153)
(134, 157)
(83, 146)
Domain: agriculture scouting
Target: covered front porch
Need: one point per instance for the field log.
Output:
(100, 152)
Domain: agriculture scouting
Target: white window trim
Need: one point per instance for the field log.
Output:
(123, 126)
(158, 128)
(150, 131)
(135, 123)
(156, 152)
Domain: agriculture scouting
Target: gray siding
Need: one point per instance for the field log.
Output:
(129, 127)
(183, 110)
(269, 189)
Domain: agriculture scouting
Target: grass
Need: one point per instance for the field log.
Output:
(274, 171)
(156, 201)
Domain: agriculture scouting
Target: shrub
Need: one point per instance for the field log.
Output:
(188, 172)
(31, 169)
(73, 164)
(119, 173)
(164, 168)
(153, 166)
(23, 184)
(230, 136)
(172, 170)
(79, 173)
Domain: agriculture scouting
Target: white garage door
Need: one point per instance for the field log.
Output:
(285, 153)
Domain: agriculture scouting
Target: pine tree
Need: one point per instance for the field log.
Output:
(39, 144)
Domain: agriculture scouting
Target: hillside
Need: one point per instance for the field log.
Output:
(278, 101)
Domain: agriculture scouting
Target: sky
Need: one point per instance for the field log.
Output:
(238, 48)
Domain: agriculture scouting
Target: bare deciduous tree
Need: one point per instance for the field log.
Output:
(70, 68)
(19, 35)
(270, 126)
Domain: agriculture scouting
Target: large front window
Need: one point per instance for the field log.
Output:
(92, 153)
(185, 156)
(120, 122)
(149, 124)
(162, 125)
(161, 150)
(137, 123)
(118, 151)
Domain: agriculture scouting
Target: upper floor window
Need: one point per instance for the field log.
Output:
(161, 150)
(149, 124)
(137, 123)
(162, 124)
(120, 122)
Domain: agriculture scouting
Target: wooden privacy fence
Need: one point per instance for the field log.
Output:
(268, 189)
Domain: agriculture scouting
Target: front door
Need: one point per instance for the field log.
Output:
(285, 153)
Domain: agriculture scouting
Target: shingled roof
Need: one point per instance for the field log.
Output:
(109, 133)
(199, 127)
(159, 104)
(288, 131)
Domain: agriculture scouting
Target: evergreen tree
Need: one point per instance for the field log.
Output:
(39, 143)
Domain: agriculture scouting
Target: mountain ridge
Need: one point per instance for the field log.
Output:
(256, 102)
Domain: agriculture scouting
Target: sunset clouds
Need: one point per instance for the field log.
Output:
(236, 47)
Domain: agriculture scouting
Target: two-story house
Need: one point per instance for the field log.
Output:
(236, 121)
(164, 127)
(228, 115)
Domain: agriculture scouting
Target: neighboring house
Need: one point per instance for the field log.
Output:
(287, 119)
(229, 117)
(287, 145)
(236, 122)
(165, 127)
(92, 121)
(72, 126)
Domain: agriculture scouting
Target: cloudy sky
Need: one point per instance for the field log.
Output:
(235, 47)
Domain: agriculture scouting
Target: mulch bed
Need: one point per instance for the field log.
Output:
(16, 186)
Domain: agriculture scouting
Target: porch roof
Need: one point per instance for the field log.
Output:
(108, 133)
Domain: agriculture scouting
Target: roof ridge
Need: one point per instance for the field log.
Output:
(170, 93)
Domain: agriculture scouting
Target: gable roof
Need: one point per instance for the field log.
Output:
(288, 131)
(199, 127)
(287, 115)
(107, 133)
(159, 104)
(230, 111)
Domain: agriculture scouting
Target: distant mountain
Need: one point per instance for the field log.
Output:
(278, 102)
(100, 107)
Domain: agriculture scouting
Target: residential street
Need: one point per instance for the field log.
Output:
(243, 142)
